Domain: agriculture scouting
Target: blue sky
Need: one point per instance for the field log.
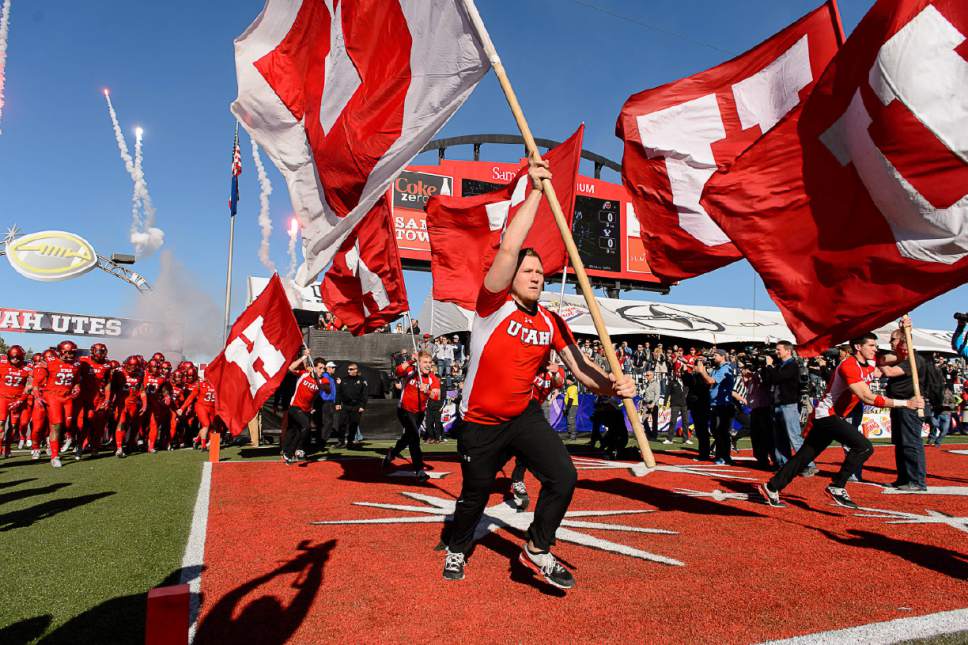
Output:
(170, 68)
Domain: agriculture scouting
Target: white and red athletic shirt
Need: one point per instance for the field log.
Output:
(840, 400)
(306, 391)
(412, 399)
(508, 348)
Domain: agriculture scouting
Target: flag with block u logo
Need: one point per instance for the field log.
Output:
(263, 342)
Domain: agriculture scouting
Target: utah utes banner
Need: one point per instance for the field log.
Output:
(342, 94)
(263, 342)
(858, 212)
(677, 135)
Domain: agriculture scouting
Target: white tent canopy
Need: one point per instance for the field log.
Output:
(705, 324)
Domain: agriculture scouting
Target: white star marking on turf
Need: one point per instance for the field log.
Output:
(640, 469)
(716, 494)
(932, 490)
(930, 517)
(412, 473)
(506, 516)
(959, 452)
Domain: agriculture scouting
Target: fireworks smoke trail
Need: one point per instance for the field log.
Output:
(265, 222)
(293, 238)
(4, 30)
(146, 238)
(119, 136)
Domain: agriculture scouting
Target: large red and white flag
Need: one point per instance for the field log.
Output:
(364, 286)
(465, 232)
(342, 94)
(677, 135)
(858, 212)
(263, 342)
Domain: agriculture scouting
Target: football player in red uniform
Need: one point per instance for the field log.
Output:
(129, 398)
(202, 395)
(93, 403)
(158, 395)
(58, 385)
(13, 394)
(179, 393)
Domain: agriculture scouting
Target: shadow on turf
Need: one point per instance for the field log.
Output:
(666, 500)
(16, 482)
(944, 561)
(27, 516)
(32, 492)
(264, 619)
(119, 620)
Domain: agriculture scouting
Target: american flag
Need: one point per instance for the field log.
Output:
(236, 171)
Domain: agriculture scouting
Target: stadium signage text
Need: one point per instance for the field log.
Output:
(50, 322)
(49, 256)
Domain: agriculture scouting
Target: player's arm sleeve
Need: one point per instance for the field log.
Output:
(488, 302)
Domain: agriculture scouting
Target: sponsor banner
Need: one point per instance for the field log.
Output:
(877, 424)
(49, 256)
(311, 298)
(64, 324)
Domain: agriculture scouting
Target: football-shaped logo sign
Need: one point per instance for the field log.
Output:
(51, 255)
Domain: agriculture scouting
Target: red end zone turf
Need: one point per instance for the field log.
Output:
(748, 572)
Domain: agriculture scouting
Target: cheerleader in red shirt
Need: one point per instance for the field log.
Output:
(419, 386)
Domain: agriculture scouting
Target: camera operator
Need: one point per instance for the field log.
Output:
(783, 376)
(959, 340)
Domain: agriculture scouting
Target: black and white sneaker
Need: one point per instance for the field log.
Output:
(388, 459)
(520, 493)
(840, 497)
(548, 567)
(771, 497)
(421, 476)
(454, 566)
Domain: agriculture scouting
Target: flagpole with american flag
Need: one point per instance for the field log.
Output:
(233, 208)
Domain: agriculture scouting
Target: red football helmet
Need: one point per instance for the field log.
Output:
(153, 367)
(140, 359)
(67, 350)
(37, 358)
(178, 378)
(16, 355)
(99, 352)
(131, 364)
(185, 365)
(191, 374)
(50, 354)
(113, 365)
(166, 368)
(158, 356)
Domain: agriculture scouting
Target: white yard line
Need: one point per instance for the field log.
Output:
(194, 557)
(891, 631)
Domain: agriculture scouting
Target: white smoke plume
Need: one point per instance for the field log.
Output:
(119, 137)
(190, 318)
(265, 222)
(4, 30)
(145, 236)
(293, 238)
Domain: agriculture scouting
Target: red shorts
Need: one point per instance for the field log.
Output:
(206, 415)
(60, 409)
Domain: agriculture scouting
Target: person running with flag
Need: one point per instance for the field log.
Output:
(511, 339)
(849, 387)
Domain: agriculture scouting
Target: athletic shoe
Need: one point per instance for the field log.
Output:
(55, 462)
(913, 487)
(67, 444)
(388, 459)
(809, 471)
(300, 454)
(840, 497)
(29, 443)
(454, 566)
(520, 493)
(421, 476)
(548, 566)
(151, 451)
(687, 442)
(20, 446)
(666, 442)
(771, 497)
(77, 453)
(119, 453)
(35, 455)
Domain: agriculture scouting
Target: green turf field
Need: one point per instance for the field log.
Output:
(82, 545)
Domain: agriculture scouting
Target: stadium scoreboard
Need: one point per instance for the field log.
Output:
(604, 225)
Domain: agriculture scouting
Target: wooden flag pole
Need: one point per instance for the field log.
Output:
(913, 363)
(549, 192)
